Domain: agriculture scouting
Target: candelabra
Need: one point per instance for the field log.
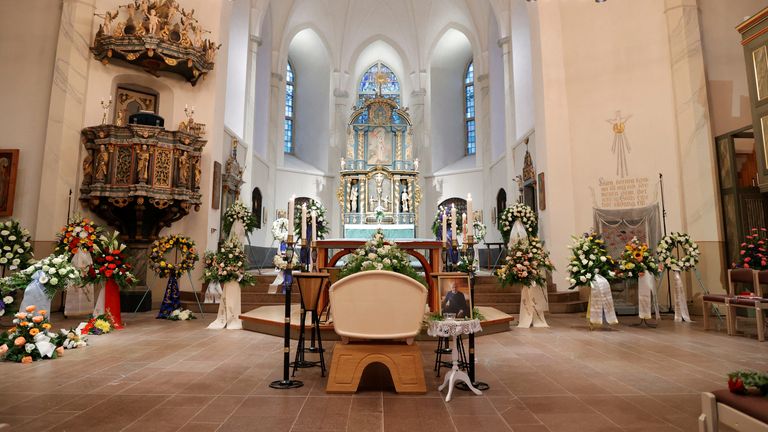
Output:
(287, 382)
(468, 255)
(449, 248)
(313, 256)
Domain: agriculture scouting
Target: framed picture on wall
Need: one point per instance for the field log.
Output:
(455, 296)
(542, 192)
(216, 194)
(9, 163)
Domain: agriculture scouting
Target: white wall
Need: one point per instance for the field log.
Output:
(237, 66)
(724, 61)
(28, 39)
(260, 131)
(446, 92)
(522, 69)
(312, 100)
(496, 92)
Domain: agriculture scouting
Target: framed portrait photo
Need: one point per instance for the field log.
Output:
(9, 163)
(455, 296)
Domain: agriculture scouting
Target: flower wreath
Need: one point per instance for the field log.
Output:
(238, 211)
(522, 212)
(322, 223)
(280, 229)
(437, 223)
(689, 255)
(479, 231)
(79, 234)
(187, 255)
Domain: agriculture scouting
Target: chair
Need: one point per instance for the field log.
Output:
(757, 304)
(311, 287)
(374, 312)
(708, 301)
(740, 412)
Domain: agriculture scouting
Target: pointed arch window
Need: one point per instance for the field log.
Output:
(289, 123)
(469, 109)
(369, 85)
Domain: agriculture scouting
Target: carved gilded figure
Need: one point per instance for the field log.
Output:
(88, 165)
(183, 168)
(154, 21)
(196, 179)
(102, 161)
(142, 162)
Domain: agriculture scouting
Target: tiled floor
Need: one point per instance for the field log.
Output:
(167, 376)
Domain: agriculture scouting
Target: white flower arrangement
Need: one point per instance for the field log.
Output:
(380, 254)
(73, 338)
(281, 262)
(181, 315)
(521, 212)
(238, 211)
(280, 229)
(4, 305)
(689, 256)
(56, 274)
(589, 258)
(15, 245)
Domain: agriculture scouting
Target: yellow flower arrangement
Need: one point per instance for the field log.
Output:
(34, 331)
(102, 325)
(187, 256)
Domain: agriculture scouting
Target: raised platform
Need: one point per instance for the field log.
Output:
(391, 231)
(270, 319)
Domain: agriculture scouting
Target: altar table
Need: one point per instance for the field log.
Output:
(430, 259)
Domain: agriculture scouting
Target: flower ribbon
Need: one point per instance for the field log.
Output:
(681, 302)
(44, 345)
(533, 303)
(601, 301)
(645, 284)
(213, 293)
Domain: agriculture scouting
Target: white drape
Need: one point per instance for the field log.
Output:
(79, 298)
(533, 303)
(645, 284)
(35, 295)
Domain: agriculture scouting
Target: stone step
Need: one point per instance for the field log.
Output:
(568, 307)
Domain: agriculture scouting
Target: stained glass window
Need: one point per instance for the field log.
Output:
(368, 87)
(290, 93)
(469, 109)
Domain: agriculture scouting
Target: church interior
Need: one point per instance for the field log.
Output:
(390, 215)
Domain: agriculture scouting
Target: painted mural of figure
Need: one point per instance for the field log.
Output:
(620, 145)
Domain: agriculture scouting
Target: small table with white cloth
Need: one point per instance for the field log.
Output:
(453, 328)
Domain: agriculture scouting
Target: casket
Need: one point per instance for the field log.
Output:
(377, 305)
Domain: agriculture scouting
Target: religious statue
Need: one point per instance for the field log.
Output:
(379, 181)
(353, 199)
(620, 145)
(87, 165)
(416, 164)
(154, 21)
(404, 200)
(173, 9)
(183, 168)
(102, 160)
(343, 164)
(196, 182)
(106, 26)
(142, 162)
(120, 118)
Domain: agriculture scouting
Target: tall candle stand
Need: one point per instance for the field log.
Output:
(468, 253)
(313, 255)
(287, 382)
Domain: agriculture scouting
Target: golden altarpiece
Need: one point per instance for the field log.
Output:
(379, 176)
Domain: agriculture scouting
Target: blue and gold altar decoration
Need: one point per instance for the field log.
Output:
(379, 176)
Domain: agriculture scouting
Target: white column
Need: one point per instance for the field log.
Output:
(697, 173)
(553, 147)
(510, 129)
(60, 167)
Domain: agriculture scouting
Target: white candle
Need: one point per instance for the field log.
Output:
(291, 207)
(445, 227)
(303, 221)
(453, 220)
(470, 224)
(314, 225)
